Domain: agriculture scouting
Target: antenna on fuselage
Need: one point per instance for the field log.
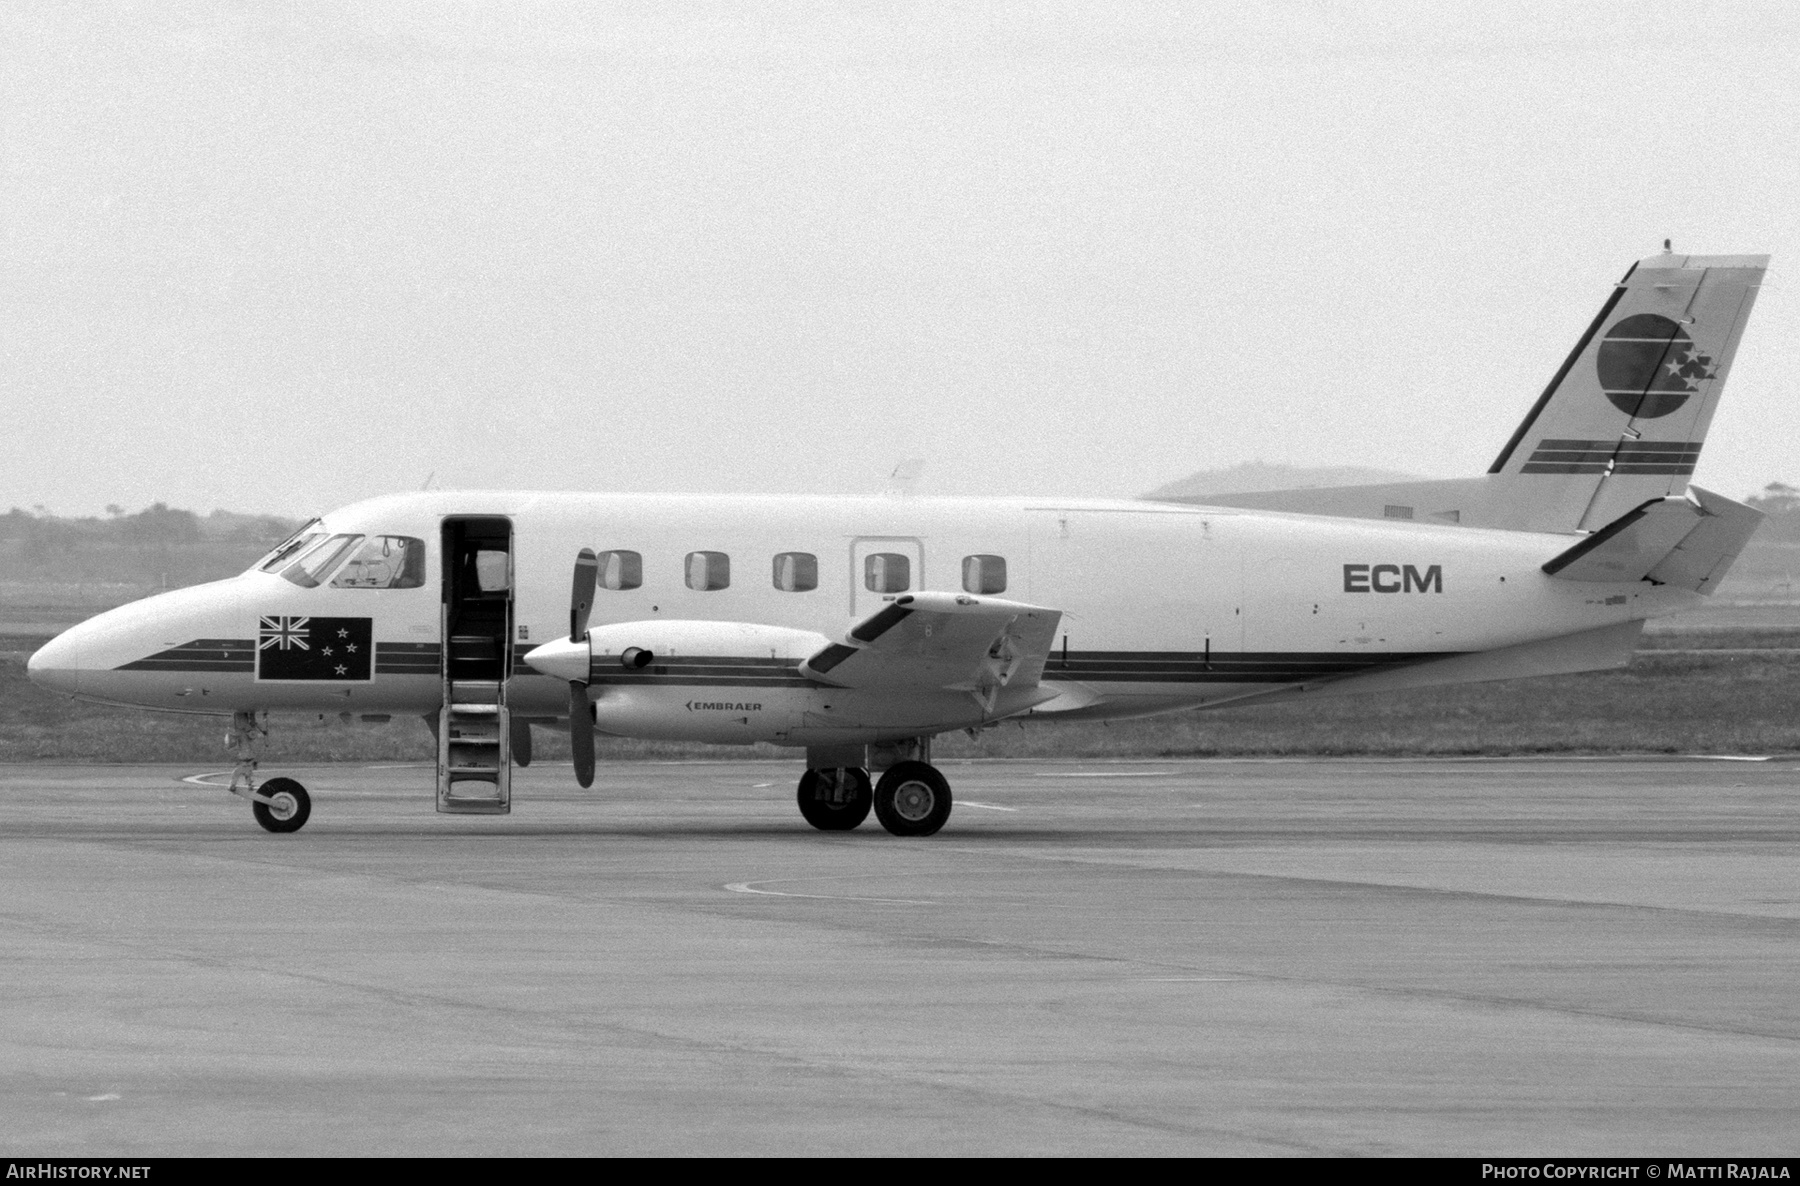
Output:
(905, 478)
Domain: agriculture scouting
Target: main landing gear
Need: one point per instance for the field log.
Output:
(281, 805)
(835, 800)
(911, 798)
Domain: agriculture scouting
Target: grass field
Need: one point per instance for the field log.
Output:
(1704, 691)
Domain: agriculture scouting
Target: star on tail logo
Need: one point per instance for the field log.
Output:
(1649, 366)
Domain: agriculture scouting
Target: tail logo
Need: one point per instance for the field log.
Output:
(1649, 366)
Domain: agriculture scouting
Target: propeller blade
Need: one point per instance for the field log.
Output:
(581, 723)
(581, 598)
(581, 734)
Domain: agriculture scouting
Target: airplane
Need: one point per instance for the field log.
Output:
(858, 629)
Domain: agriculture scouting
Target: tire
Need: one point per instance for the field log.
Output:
(291, 810)
(830, 806)
(912, 799)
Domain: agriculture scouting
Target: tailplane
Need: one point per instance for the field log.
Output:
(1621, 423)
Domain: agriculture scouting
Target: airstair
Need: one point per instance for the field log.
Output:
(474, 735)
(474, 759)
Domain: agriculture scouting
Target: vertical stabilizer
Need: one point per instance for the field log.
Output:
(1621, 423)
(1624, 419)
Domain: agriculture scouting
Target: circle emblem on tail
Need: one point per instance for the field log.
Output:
(1649, 366)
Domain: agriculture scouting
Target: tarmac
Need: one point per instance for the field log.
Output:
(1548, 957)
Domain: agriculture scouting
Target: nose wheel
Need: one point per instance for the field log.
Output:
(912, 799)
(835, 800)
(281, 805)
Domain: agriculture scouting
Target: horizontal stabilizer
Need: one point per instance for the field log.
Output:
(1685, 542)
(942, 640)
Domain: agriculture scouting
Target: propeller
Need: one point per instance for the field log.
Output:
(581, 723)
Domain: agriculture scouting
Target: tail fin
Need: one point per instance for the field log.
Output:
(1624, 419)
(1620, 424)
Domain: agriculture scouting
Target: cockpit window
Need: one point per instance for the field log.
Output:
(314, 566)
(384, 562)
(290, 547)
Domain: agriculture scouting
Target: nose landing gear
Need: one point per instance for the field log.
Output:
(282, 805)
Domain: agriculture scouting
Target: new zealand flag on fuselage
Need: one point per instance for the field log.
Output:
(314, 648)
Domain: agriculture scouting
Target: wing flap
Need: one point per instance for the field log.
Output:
(978, 645)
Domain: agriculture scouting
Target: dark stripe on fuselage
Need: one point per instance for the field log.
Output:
(406, 658)
(1225, 667)
(202, 654)
(239, 654)
(1135, 667)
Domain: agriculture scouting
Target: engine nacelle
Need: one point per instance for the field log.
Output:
(633, 646)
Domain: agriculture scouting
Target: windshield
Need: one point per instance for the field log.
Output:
(290, 547)
(385, 562)
(315, 565)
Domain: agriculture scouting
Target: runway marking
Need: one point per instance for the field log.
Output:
(748, 887)
(983, 806)
(1731, 757)
(1109, 774)
(200, 780)
(1193, 979)
(760, 785)
(100, 1099)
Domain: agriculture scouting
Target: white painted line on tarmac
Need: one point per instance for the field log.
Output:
(983, 806)
(1109, 774)
(204, 780)
(1731, 757)
(1192, 979)
(757, 786)
(749, 887)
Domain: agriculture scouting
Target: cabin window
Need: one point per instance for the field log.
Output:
(708, 570)
(796, 572)
(314, 566)
(384, 562)
(621, 570)
(984, 574)
(887, 572)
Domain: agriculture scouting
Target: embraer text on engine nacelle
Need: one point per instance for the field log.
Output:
(1393, 578)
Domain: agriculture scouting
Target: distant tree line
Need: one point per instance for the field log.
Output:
(157, 545)
(1777, 498)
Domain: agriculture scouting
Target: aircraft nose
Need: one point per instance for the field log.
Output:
(57, 665)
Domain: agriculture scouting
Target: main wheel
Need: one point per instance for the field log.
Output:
(912, 799)
(289, 810)
(835, 800)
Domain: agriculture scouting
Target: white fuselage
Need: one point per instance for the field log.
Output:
(1163, 607)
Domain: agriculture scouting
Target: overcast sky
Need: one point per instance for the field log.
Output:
(279, 257)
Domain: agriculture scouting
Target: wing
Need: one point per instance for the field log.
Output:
(948, 641)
